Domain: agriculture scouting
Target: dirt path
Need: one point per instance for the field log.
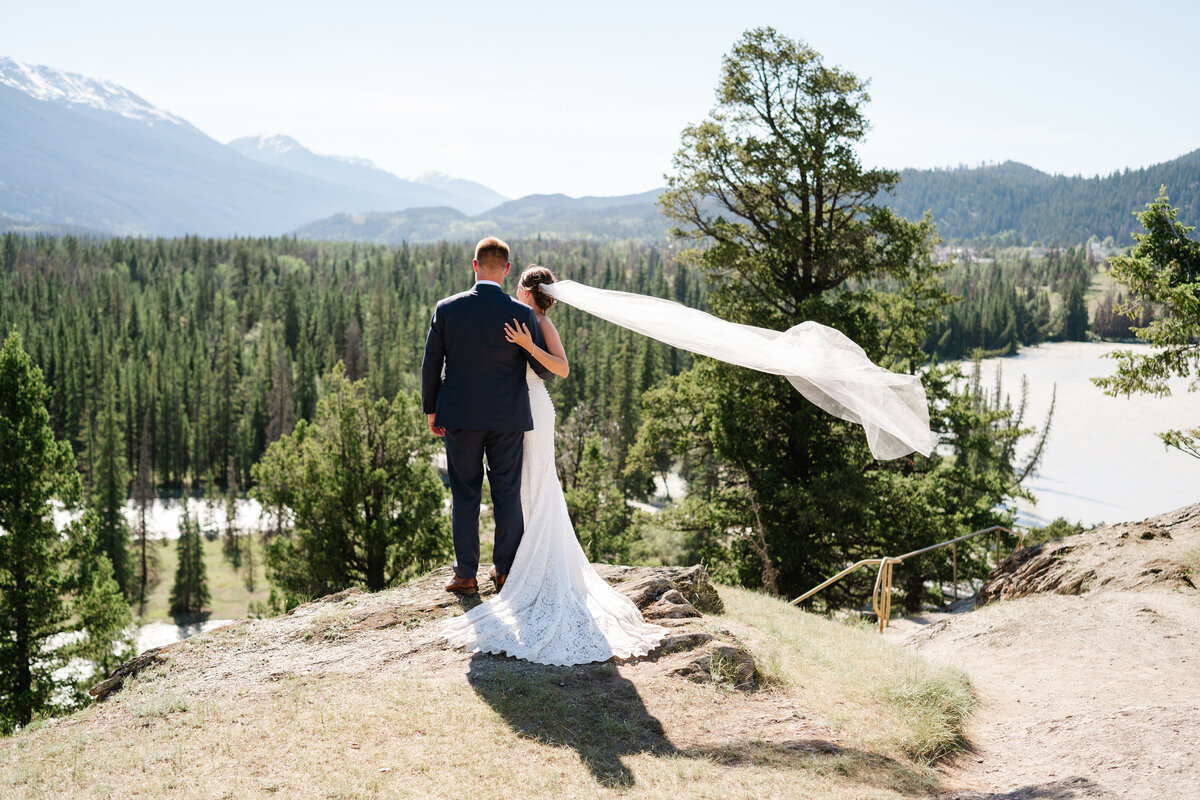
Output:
(1091, 695)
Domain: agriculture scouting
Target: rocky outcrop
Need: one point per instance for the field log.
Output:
(359, 624)
(1128, 555)
(646, 585)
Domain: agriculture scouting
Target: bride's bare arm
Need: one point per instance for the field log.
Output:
(553, 357)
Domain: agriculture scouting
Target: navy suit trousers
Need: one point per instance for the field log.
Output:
(465, 453)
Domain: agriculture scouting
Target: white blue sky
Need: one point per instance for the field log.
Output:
(590, 98)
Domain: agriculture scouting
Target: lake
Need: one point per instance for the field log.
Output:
(1102, 462)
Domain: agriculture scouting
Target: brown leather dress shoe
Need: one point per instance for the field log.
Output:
(462, 585)
(497, 578)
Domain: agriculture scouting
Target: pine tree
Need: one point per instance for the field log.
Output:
(359, 484)
(189, 595)
(1162, 269)
(249, 561)
(281, 402)
(109, 481)
(598, 509)
(143, 492)
(49, 585)
(232, 535)
(306, 382)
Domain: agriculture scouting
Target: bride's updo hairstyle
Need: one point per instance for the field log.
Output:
(532, 280)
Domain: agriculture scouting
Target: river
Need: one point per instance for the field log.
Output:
(1102, 462)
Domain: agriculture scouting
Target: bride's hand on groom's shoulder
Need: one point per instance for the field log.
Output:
(518, 333)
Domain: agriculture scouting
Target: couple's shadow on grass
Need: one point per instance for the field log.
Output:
(599, 714)
(591, 709)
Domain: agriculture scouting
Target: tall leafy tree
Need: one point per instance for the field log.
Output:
(1163, 270)
(50, 585)
(789, 226)
(358, 484)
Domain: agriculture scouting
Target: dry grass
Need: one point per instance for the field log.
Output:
(389, 714)
(1190, 560)
(893, 693)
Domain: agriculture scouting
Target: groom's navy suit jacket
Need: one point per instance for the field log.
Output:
(482, 386)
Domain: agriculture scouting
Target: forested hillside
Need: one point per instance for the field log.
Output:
(555, 216)
(1017, 204)
(214, 348)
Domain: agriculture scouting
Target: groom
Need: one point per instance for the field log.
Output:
(474, 390)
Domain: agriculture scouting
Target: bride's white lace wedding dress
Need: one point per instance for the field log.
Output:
(554, 608)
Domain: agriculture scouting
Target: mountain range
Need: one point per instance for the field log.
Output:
(361, 174)
(78, 153)
(84, 155)
(634, 216)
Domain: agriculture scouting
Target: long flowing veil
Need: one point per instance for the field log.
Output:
(824, 364)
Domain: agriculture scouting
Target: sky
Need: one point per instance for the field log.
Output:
(590, 99)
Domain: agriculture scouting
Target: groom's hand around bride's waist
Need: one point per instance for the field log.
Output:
(434, 428)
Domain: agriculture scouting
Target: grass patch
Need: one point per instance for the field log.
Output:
(871, 688)
(1191, 563)
(935, 705)
(227, 586)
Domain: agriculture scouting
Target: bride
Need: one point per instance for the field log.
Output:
(553, 608)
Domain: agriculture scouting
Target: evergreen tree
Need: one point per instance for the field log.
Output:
(49, 585)
(189, 594)
(233, 538)
(1163, 269)
(359, 484)
(1076, 320)
(249, 560)
(597, 506)
(790, 227)
(146, 573)
(281, 400)
(109, 484)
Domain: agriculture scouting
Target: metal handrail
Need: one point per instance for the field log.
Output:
(881, 595)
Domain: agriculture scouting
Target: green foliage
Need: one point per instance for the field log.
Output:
(1005, 303)
(780, 493)
(1163, 270)
(771, 187)
(358, 485)
(216, 346)
(189, 593)
(51, 587)
(109, 480)
(101, 612)
(1059, 528)
(597, 505)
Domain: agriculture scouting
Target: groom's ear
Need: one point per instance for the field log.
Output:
(507, 267)
(475, 266)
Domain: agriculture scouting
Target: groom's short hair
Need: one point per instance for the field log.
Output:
(491, 253)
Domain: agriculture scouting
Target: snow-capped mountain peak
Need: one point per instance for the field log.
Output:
(361, 162)
(273, 143)
(432, 176)
(271, 146)
(68, 88)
